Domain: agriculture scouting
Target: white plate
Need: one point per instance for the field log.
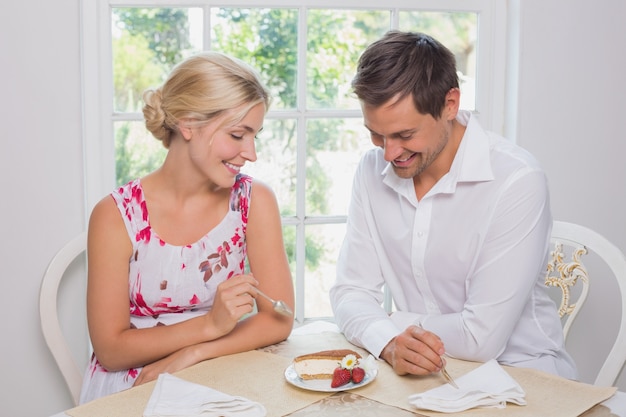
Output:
(323, 385)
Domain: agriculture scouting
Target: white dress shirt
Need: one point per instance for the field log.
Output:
(467, 262)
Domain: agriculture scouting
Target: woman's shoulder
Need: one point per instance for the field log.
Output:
(129, 190)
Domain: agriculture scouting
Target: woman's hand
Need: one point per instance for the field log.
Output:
(172, 363)
(234, 299)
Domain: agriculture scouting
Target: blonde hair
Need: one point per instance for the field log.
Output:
(201, 88)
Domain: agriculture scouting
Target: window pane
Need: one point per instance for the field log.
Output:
(267, 39)
(335, 40)
(276, 161)
(458, 31)
(322, 246)
(334, 147)
(147, 43)
(137, 152)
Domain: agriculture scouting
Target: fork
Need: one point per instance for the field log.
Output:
(447, 376)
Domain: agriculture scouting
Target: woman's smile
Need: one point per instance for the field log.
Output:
(232, 168)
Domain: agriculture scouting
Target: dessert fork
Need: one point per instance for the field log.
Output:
(447, 376)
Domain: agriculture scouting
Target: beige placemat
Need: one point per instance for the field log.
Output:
(258, 376)
(546, 394)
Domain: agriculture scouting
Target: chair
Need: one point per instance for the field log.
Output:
(567, 274)
(48, 313)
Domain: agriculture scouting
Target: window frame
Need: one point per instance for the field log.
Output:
(97, 92)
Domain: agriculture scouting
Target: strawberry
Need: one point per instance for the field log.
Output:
(358, 374)
(341, 376)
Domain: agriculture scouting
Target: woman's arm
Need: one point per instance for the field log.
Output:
(116, 345)
(269, 266)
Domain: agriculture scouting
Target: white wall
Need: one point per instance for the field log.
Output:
(42, 188)
(571, 99)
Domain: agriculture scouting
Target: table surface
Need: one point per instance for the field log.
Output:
(350, 403)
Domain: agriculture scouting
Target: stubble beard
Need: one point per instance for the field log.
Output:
(423, 160)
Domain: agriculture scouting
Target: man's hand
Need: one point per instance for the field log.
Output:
(414, 351)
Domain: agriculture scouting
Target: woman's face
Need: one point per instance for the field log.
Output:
(222, 149)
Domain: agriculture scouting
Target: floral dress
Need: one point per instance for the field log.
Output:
(167, 283)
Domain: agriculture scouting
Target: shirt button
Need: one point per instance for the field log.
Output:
(420, 234)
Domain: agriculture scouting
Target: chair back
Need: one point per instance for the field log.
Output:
(49, 317)
(566, 270)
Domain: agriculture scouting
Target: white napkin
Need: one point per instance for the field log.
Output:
(488, 386)
(173, 396)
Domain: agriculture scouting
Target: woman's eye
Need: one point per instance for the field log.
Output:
(236, 136)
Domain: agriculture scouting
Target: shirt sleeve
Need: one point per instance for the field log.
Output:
(357, 296)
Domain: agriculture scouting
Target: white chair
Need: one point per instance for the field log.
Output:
(578, 241)
(48, 313)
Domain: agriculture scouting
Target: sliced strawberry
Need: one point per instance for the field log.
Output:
(358, 374)
(341, 376)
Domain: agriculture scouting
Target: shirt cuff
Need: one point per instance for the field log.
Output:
(378, 335)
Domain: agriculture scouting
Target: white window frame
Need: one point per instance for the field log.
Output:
(97, 76)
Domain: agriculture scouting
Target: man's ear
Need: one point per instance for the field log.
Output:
(453, 101)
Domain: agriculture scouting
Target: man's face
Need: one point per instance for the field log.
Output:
(412, 141)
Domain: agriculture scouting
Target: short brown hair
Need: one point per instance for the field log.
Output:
(403, 63)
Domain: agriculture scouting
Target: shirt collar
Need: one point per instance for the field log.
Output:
(472, 162)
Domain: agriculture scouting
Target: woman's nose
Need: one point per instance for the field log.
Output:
(249, 151)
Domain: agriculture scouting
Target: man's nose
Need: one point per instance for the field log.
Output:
(392, 149)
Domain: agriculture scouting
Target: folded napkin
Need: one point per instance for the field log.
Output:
(488, 386)
(173, 396)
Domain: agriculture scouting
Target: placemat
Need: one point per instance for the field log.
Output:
(255, 375)
(546, 394)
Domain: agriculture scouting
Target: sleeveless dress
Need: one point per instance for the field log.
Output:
(169, 284)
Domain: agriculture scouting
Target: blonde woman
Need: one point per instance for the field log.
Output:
(172, 245)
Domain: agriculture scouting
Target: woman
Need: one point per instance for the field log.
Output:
(176, 240)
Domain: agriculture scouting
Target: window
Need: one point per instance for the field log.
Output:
(306, 52)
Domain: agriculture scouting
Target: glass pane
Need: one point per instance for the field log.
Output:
(147, 43)
(267, 39)
(289, 240)
(137, 152)
(335, 40)
(458, 31)
(334, 148)
(322, 247)
(276, 161)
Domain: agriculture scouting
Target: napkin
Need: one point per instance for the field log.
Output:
(488, 386)
(173, 396)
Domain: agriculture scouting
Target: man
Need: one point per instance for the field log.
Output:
(453, 220)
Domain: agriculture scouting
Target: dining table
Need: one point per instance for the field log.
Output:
(262, 376)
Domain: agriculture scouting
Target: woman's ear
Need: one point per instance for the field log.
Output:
(185, 131)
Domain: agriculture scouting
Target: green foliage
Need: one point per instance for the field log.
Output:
(135, 70)
(148, 43)
(165, 30)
